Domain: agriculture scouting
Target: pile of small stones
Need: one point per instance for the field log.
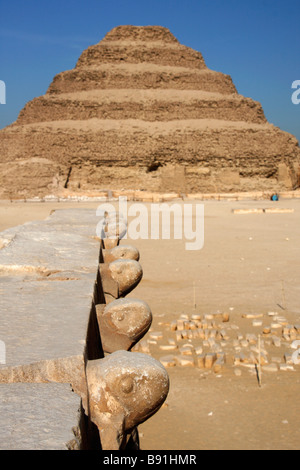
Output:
(212, 341)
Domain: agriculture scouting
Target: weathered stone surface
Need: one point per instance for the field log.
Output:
(47, 287)
(210, 358)
(127, 273)
(51, 333)
(121, 252)
(38, 417)
(185, 361)
(125, 389)
(50, 268)
(123, 323)
(141, 111)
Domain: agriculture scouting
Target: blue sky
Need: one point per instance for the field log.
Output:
(256, 42)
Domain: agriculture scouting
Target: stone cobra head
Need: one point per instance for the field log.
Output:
(125, 389)
(127, 273)
(121, 252)
(123, 323)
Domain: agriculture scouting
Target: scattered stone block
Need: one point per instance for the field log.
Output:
(201, 333)
(216, 348)
(270, 368)
(286, 367)
(297, 328)
(267, 330)
(252, 316)
(192, 325)
(220, 362)
(198, 350)
(185, 361)
(168, 361)
(251, 338)
(208, 317)
(178, 336)
(278, 210)
(248, 365)
(210, 358)
(248, 211)
(190, 334)
(293, 334)
(196, 317)
(156, 335)
(263, 359)
(288, 359)
(277, 360)
(211, 342)
(287, 329)
(200, 360)
(276, 325)
(184, 334)
(167, 347)
(225, 317)
(186, 351)
(142, 346)
(236, 359)
(276, 341)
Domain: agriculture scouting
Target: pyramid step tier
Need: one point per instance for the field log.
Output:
(140, 76)
(135, 53)
(148, 105)
(192, 155)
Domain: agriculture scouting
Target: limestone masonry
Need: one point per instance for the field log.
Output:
(141, 111)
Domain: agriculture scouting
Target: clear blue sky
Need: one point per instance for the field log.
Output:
(255, 41)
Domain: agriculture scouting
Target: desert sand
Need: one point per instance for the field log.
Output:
(249, 265)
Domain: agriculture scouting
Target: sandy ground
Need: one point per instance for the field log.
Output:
(249, 264)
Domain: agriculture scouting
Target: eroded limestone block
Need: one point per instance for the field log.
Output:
(122, 323)
(62, 370)
(118, 392)
(125, 389)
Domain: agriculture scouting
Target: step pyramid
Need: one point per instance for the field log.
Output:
(142, 111)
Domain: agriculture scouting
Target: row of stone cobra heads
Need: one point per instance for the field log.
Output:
(124, 387)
